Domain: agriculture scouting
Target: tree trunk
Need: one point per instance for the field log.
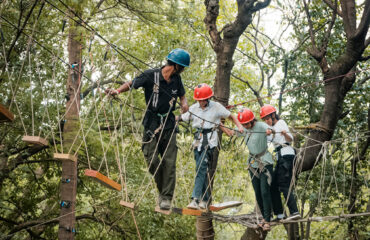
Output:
(224, 49)
(355, 185)
(252, 234)
(338, 76)
(68, 190)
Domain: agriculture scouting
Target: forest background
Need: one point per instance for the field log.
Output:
(273, 64)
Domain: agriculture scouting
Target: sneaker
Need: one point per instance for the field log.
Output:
(165, 204)
(193, 204)
(203, 205)
(278, 218)
(294, 216)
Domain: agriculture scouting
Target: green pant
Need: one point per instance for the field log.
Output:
(163, 168)
(262, 191)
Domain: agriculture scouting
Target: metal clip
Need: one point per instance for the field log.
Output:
(66, 180)
(69, 229)
(65, 204)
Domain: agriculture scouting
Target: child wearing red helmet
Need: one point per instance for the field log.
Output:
(260, 161)
(283, 172)
(205, 115)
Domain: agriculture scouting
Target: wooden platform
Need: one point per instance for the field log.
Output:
(127, 204)
(203, 212)
(158, 210)
(188, 211)
(5, 114)
(61, 156)
(220, 206)
(103, 179)
(35, 140)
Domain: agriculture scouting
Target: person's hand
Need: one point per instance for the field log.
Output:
(111, 92)
(268, 132)
(283, 132)
(178, 118)
(241, 129)
(184, 108)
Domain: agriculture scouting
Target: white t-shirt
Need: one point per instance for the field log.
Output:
(279, 139)
(212, 113)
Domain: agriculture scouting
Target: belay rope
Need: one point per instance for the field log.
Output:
(156, 90)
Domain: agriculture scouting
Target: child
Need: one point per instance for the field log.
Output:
(283, 171)
(260, 161)
(205, 115)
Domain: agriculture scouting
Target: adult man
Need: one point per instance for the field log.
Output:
(161, 86)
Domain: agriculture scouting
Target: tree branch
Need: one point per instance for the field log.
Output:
(96, 84)
(349, 17)
(256, 93)
(362, 81)
(333, 7)
(19, 31)
(328, 31)
(363, 27)
(212, 11)
(261, 5)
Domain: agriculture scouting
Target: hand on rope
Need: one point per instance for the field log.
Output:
(112, 92)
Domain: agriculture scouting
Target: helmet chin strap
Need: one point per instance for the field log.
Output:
(273, 118)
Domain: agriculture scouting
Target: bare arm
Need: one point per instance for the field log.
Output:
(228, 132)
(286, 136)
(184, 104)
(237, 123)
(123, 88)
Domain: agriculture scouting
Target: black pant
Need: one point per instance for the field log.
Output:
(164, 168)
(281, 179)
(262, 191)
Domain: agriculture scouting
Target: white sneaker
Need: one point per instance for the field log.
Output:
(294, 216)
(193, 204)
(203, 205)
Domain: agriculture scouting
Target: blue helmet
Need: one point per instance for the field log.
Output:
(179, 56)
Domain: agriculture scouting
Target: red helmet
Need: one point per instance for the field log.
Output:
(266, 110)
(202, 92)
(245, 115)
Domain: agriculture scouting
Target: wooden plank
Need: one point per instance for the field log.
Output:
(5, 114)
(61, 156)
(220, 206)
(159, 210)
(103, 179)
(188, 211)
(35, 140)
(127, 204)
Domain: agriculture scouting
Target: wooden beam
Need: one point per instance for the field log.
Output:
(35, 140)
(188, 211)
(103, 179)
(5, 114)
(127, 204)
(158, 210)
(220, 206)
(61, 156)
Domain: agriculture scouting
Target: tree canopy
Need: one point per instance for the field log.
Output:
(307, 58)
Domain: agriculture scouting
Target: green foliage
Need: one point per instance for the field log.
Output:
(33, 86)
